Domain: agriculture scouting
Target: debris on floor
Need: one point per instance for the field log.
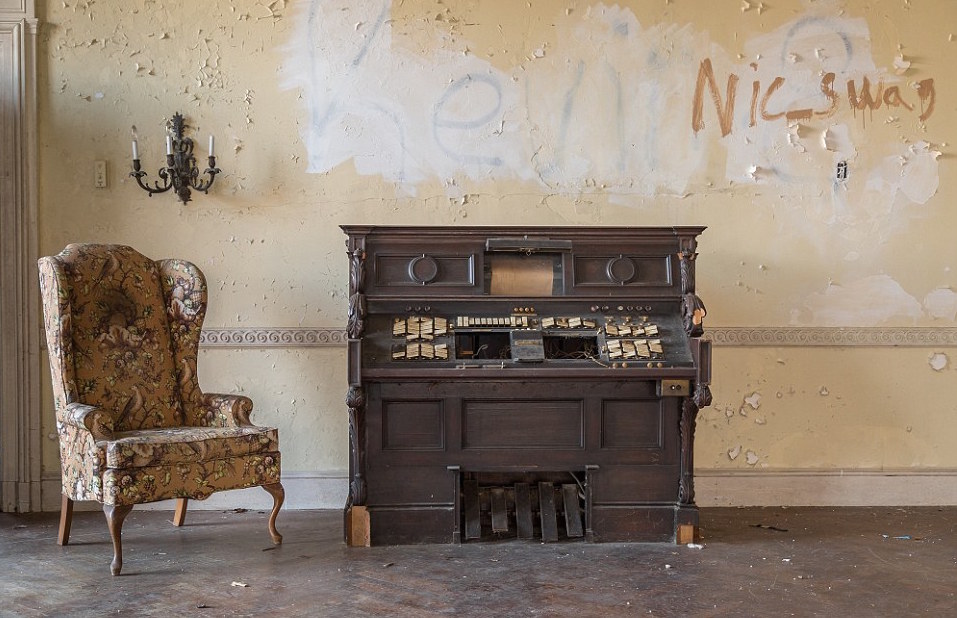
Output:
(903, 537)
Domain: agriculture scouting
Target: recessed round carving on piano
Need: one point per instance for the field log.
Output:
(423, 269)
(621, 269)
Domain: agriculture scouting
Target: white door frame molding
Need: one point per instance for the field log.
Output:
(20, 459)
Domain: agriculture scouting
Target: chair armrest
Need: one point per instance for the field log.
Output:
(227, 410)
(89, 418)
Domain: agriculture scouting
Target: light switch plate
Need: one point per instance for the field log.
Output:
(99, 174)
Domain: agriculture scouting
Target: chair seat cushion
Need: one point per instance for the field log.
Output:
(172, 445)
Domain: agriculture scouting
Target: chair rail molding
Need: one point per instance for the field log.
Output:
(810, 336)
(20, 460)
(273, 337)
(723, 336)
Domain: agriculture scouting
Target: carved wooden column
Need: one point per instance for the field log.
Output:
(692, 313)
(357, 518)
(356, 401)
(692, 309)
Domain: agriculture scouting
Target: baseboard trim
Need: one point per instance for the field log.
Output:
(304, 491)
(812, 487)
(802, 487)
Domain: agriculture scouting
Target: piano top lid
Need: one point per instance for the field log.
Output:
(583, 233)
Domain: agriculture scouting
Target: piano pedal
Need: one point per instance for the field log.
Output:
(524, 523)
(547, 511)
(573, 514)
(473, 511)
(546, 496)
(499, 510)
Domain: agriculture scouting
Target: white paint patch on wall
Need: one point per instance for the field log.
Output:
(869, 301)
(608, 109)
(585, 117)
(837, 139)
(611, 111)
(941, 304)
(938, 361)
(393, 112)
(912, 173)
(781, 74)
(806, 71)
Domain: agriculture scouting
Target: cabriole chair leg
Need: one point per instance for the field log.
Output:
(114, 519)
(278, 496)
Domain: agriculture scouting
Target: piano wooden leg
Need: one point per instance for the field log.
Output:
(687, 533)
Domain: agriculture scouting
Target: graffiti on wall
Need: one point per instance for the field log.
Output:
(630, 110)
(607, 109)
(860, 97)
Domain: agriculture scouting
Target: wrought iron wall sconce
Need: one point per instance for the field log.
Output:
(180, 173)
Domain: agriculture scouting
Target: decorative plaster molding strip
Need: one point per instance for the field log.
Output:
(746, 337)
(772, 336)
(272, 337)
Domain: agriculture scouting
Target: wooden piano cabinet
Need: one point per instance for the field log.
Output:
(535, 382)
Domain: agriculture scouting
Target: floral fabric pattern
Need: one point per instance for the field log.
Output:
(81, 463)
(196, 480)
(134, 426)
(184, 290)
(150, 447)
(121, 345)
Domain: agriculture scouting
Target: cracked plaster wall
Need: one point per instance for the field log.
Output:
(463, 112)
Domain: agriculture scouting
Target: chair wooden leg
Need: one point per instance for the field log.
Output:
(278, 496)
(179, 517)
(114, 519)
(66, 520)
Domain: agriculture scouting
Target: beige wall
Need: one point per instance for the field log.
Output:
(543, 113)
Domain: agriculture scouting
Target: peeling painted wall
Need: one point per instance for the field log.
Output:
(813, 137)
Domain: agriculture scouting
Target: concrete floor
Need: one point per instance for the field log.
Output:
(754, 562)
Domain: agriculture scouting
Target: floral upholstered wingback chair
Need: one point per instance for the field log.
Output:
(134, 427)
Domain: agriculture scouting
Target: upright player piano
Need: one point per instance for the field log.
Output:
(523, 382)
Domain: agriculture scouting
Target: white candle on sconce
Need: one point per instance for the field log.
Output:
(180, 170)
